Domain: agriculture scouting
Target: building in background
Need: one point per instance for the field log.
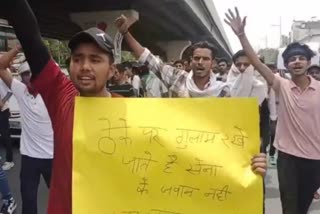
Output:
(306, 31)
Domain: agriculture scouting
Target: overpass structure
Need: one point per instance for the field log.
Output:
(167, 27)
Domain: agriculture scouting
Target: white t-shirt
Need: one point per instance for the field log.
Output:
(37, 134)
(4, 90)
(154, 86)
(136, 83)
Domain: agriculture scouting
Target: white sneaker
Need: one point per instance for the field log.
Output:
(8, 206)
(272, 161)
(7, 166)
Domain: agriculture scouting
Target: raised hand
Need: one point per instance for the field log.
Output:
(236, 23)
(122, 24)
(8, 57)
(259, 164)
(18, 48)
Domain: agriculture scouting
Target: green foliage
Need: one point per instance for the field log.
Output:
(127, 56)
(59, 50)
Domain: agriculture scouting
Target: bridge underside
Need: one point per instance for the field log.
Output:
(164, 20)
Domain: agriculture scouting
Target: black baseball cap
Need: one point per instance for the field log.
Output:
(95, 35)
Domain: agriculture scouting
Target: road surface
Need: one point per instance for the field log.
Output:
(273, 205)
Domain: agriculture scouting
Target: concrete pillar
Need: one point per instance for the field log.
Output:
(174, 49)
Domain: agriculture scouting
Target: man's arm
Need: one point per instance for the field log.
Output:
(27, 31)
(17, 88)
(167, 74)
(6, 77)
(272, 105)
(5, 61)
(238, 26)
(135, 46)
(7, 97)
(6, 93)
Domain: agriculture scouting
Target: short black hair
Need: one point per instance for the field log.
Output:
(238, 55)
(188, 60)
(127, 64)
(314, 67)
(180, 61)
(223, 60)
(68, 61)
(120, 68)
(206, 45)
(296, 48)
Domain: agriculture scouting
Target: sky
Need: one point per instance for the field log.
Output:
(264, 19)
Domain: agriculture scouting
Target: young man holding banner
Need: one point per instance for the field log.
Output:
(297, 136)
(91, 66)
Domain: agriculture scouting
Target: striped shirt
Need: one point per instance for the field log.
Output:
(173, 78)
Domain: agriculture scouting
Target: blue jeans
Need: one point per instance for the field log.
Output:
(4, 186)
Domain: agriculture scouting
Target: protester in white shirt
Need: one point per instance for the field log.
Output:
(136, 81)
(223, 70)
(155, 87)
(5, 94)
(244, 83)
(36, 144)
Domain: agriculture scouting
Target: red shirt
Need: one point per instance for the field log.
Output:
(59, 94)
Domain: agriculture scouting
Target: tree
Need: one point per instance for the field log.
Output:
(59, 50)
(127, 56)
(270, 55)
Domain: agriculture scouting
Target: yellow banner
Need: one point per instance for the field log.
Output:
(165, 156)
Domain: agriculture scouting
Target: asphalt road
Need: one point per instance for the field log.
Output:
(273, 205)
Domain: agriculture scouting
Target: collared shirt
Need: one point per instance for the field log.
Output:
(274, 100)
(173, 78)
(154, 86)
(298, 118)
